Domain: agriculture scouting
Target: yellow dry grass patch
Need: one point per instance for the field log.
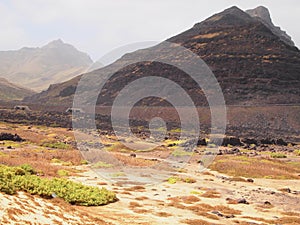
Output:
(255, 167)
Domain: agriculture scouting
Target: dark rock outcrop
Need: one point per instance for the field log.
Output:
(10, 137)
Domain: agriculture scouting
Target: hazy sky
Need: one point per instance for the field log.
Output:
(98, 26)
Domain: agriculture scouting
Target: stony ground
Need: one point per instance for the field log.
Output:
(231, 191)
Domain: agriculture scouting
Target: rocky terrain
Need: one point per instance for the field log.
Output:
(257, 70)
(37, 68)
(243, 185)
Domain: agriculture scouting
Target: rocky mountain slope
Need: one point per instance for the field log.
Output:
(263, 14)
(37, 68)
(251, 62)
(9, 91)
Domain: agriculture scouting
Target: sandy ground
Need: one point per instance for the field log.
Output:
(152, 204)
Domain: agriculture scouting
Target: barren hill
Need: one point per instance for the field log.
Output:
(252, 63)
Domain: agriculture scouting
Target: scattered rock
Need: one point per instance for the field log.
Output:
(133, 155)
(287, 190)
(232, 141)
(242, 201)
(10, 137)
(267, 203)
(217, 213)
(201, 142)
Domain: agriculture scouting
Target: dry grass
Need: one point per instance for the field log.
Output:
(211, 194)
(133, 205)
(197, 222)
(291, 220)
(237, 179)
(130, 161)
(202, 209)
(255, 167)
(189, 199)
(142, 198)
(136, 188)
(291, 214)
(164, 214)
(41, 159)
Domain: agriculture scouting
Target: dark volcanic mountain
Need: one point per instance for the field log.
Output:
(37, 68)
(9, 91)
(250, 59)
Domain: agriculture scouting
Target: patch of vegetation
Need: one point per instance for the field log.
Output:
(58, 145)
(175, 179)
(63, 173)
(84, 162)
(118, 174)
(3, 154)
(211, 194)
(278, 155)
(297, 152)
(22, 178)
(180, 153)
(176, 130)
(101, 164)
(55, 160)
(12, 144)
(195, 192)
(250, 167)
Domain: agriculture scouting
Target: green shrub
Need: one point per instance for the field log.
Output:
(63, 173)
(58, 145)
(28, 168)
(173, 180)
(101, 164)
(55, 160)
(84, 162)
(297, 152)
(188, 180)
(13, 179)
(181, 153)
(278, 155)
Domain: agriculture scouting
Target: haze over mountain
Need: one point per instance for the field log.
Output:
(251, 61)
(37, 68)
(9, 91)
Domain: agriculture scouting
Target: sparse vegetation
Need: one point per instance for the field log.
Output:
(101, 164)
(249, 167)
(180, 153)
(297, 152)
(63, 173)
(278, 155)
(58, 145)
(175, 179)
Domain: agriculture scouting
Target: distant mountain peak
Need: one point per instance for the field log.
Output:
(39, 67)
(232, 16)
(56, 44)
(262, 13)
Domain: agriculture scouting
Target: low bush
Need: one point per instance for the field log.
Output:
(57, 145)
(278, 155)
(175, 179)
(22, 178)
(63, 173)
(297, 152)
